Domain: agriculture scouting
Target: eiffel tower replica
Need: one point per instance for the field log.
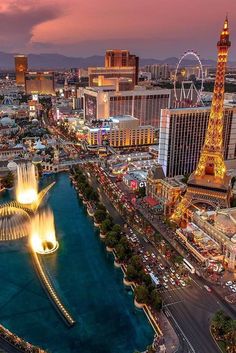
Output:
(209, 183)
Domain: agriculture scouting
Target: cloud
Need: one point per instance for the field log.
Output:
(18, 19)
(85, 27)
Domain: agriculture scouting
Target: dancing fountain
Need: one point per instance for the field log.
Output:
(26, 184)
(21, 218)
(15, 215)
(43, 237)
(14, 223)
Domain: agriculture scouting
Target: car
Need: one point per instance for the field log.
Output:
(207, 288)
(153, 256)
(165, 279)
(165, 286)
(177, 276)
(183, 284)
(172, 281)
(234, 290)
(229, 283)
(172, 270)
(161, 267)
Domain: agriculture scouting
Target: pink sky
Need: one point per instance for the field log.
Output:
(149, 28)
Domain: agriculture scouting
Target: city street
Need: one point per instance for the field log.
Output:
(189, 309)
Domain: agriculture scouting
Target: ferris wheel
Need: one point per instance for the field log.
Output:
(188, 87)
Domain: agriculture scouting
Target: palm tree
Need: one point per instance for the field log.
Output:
(230, 336)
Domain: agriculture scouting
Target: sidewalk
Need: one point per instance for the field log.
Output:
(170, 338)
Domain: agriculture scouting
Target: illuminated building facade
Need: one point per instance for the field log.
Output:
(121, 69)
(21, 67)
(166, 191)
(221, 227)
(39, 83)
(122, 58)
(102, 76)
(120, 131)
(209, 183)
(182, 135)
(144, 104)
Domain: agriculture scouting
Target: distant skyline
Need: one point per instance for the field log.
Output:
(150, 28)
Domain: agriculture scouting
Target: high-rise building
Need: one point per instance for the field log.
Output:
(39, 83)
(144, 104)
(122, 58)
(158, 71)
(209, 183)
(182, 135)
(119, 65)
(21, 67)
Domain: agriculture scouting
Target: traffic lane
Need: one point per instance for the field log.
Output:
(193, 308)
(183, 345)
(227, 307)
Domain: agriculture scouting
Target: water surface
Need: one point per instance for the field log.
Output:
(85, 278)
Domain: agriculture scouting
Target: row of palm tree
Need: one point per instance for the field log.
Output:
(224, 330)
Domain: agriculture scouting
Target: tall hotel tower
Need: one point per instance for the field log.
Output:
(21, 66)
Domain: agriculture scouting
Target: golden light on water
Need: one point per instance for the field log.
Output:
(43, 235)
(26, 185)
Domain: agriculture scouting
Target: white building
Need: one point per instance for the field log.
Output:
(158, 71)
(120, 131)
(182, 135)
(145, 104)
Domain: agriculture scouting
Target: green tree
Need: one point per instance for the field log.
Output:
(233, 181)
(8, 180)
(100, 216)
(111, 240)
(230, 335)
(178, 259)
(40, 169)
(106, 225)
(136, 262)
(101, 207)
(155, 300)
(121, 252)
(94, 196)
(157, 237)
(185, 178)
(146, 279)
(233, 203)
(123, 249)
(142, 192)
(88, 192)
(218, 322)
(116, 228)
(141, 294)
(132, 273)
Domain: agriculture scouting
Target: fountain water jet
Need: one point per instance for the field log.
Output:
(43, 236)
(26, 184)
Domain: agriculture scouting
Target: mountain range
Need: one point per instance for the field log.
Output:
(58, 61)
